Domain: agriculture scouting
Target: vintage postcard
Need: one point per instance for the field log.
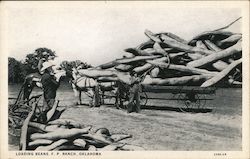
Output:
(109, 79)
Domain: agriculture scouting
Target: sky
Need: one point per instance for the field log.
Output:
(97, 34)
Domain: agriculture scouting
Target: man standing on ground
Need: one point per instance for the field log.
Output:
(96, 97)
(134, 93)
(50, 85)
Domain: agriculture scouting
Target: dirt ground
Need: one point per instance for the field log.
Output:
(165, 129)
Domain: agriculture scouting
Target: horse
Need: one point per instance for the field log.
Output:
(90, 86)
(34, 80)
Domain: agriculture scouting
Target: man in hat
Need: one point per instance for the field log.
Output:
(50, 85)
(46, 57)
(134, 93)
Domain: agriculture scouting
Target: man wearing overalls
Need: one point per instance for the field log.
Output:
(134, 94)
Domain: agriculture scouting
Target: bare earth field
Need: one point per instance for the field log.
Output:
(166, 129)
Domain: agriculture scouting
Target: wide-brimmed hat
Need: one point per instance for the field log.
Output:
(45, 53)
(46, 65)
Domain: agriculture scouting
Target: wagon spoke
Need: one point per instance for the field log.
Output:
(144, 98)
(202, 101)
(182, 103)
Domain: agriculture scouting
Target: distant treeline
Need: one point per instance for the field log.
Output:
(19, 69)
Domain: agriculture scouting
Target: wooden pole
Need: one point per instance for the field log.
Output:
(136, 59)
(176, 80)
(201, 45)
(219, 65)
(184, 47)
(182, 68)
(212, 46)
(221, 74)
(231, 39)
(24, 129)
(217, 56)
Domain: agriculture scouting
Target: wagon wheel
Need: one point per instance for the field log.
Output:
(143, 98)
(17, 116)
(13, 131)
(18, 113)
(107, 97)
(202, 101)
(125, 99)
(190, 101)
(23, 103)
(17, 105)
(14, 125)
(181, 100)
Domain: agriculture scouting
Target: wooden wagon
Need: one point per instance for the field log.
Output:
(189, 98)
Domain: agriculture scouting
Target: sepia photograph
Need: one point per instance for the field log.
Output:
(85, 79)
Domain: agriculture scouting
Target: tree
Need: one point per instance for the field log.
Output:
(32, 59)
(68, 65)
(15, 70)
(24, 71)
(18, 70)
(40, 52)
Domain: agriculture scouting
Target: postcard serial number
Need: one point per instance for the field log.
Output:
(220, 154)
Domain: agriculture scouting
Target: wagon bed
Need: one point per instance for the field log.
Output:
(178, 89)
(189, 98)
